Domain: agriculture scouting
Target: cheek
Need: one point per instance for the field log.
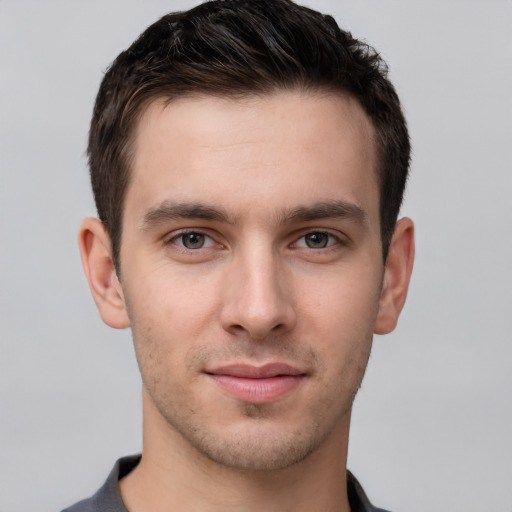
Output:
(338, 318)
(169, 311)
(172, 297)
(344, 300)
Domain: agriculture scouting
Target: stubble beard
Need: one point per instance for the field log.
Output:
(261, 445)
(257, 448)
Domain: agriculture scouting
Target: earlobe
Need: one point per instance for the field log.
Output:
(100, 272)
(397, 275)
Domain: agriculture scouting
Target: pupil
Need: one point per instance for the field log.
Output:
(316, 240)
(193, 240)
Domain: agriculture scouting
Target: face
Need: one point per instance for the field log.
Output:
(251, 270)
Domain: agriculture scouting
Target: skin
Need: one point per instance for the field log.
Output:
(270, 280)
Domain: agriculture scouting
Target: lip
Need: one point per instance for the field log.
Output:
(257, 384)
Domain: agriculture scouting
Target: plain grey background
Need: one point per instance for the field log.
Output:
(432, 425)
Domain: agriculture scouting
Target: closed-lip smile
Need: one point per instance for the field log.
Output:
(257, 384)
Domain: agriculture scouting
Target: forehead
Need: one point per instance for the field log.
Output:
(282, 148)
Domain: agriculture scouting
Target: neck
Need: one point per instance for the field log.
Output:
(173, 475)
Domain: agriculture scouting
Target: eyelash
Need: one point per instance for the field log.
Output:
(332, 241)
(174, 240)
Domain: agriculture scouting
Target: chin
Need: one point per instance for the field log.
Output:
(261, 453)
(259, 442)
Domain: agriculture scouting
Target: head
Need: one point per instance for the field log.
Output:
(236, 49)
(248, 160)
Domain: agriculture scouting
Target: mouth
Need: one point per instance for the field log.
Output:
(257, 384)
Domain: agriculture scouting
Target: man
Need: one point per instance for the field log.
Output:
(248, 160)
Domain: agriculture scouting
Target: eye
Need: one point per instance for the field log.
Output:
(316, 240)
(193, 240)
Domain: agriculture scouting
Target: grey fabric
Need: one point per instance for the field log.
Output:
(108, 499)
(357, 498)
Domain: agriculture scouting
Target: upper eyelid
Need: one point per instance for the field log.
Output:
(326, 231)
(175, 235)
(296, 236)
(318, 231)
(184, 231)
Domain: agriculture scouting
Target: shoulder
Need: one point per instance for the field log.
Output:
(82, 506)
(108, 499)
(357, 498)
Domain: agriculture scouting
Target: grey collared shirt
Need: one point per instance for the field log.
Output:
(108, 499)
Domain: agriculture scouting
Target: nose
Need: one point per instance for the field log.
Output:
(258, 297)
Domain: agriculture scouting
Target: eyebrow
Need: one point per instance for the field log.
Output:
(325, 210)
(169, 210)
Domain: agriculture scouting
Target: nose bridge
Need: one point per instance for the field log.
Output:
(259, 298)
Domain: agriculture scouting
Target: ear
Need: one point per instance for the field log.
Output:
(397, 274)
(99, 269)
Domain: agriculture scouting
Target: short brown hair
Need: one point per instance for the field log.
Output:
(235, 48)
